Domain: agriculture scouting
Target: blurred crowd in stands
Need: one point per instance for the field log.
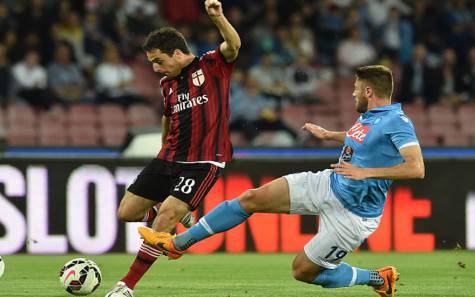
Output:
(64, 57)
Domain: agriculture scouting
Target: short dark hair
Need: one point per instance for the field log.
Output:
(379, 77)
(167, 40)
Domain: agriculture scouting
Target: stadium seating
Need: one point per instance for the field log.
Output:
(23, 135)
(238, 139)
(329, 122)
(146, 81)
(466, 118)
(273, 139)
(83, 135)
(295, 116)
(141, 115)
(326, 91)
(107, 124)
(417, 114)
(20, 115)
(82, 114)
(111, 114)
(113, 134)
(52, 127)
(20, 124)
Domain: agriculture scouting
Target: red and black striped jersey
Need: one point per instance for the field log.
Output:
(197, 103)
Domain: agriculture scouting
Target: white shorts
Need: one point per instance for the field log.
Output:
(339, 231)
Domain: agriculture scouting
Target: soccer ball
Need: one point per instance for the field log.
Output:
(80, 276)
(2, 266)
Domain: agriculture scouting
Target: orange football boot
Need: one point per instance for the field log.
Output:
(390, 276)
(163, 241)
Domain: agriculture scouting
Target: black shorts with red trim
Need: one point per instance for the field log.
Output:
(189, 182)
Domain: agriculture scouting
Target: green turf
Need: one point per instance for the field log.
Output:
(233, 275)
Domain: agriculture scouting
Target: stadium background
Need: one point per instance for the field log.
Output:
(74, 84)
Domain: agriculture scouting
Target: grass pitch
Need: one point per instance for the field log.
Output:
(447, 274)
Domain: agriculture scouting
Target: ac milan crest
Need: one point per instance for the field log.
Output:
(198, 77)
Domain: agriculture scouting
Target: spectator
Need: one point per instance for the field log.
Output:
(268, 77)
(378, 10)
(458, 19)
(420, 81)
(355, 20)
(468, 77)
(149, 8)
(301, 79)
(72, 31)
(12, 46)
(114, 80)
(396, 36)
(64, 77)
(35, 19)
(31, 80)
(330, 26)
(93, 37)
(139, 23)
(187, 32)
(282, 47)
(353, 52)
(301, 37)
(5, 77)
(6, 21)
(451, 75)
(252, 113)
(209, 41)
(424, 21)
(262, 33)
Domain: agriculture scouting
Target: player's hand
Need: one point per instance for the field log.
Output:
(316, 131)
(349, 171)
(214, 8)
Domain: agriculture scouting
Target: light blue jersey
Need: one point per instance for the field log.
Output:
(373, 141)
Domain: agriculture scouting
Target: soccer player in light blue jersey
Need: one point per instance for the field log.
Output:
(349, 198)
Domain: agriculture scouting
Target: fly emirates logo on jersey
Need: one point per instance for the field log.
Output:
(185, 102)
(358, 132)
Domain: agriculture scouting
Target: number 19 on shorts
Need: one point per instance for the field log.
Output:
(335, 254)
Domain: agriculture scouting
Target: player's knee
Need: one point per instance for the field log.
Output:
(249, 200)
(123, 214)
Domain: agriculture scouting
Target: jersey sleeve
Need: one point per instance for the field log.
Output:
(166, 107)
(220, 65)
(401, 132)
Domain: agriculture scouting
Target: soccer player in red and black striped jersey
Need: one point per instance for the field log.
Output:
(195, 135)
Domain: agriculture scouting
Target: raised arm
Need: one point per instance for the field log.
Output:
(323, 134)
(231, 44)
(412, 167)
(165, 128)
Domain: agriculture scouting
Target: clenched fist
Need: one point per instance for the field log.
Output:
(214, 8)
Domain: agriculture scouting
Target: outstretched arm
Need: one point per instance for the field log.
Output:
(324, 134)
(230, 47)
(412, 167)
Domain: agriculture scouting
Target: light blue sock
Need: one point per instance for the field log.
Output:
(343, 275)
(223, 217)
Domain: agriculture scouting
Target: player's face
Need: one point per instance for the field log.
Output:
(163, 63)
(361, 99)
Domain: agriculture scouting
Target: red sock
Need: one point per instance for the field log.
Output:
(144, 260)
(151, 213)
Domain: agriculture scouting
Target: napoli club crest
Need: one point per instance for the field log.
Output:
(198, 78)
